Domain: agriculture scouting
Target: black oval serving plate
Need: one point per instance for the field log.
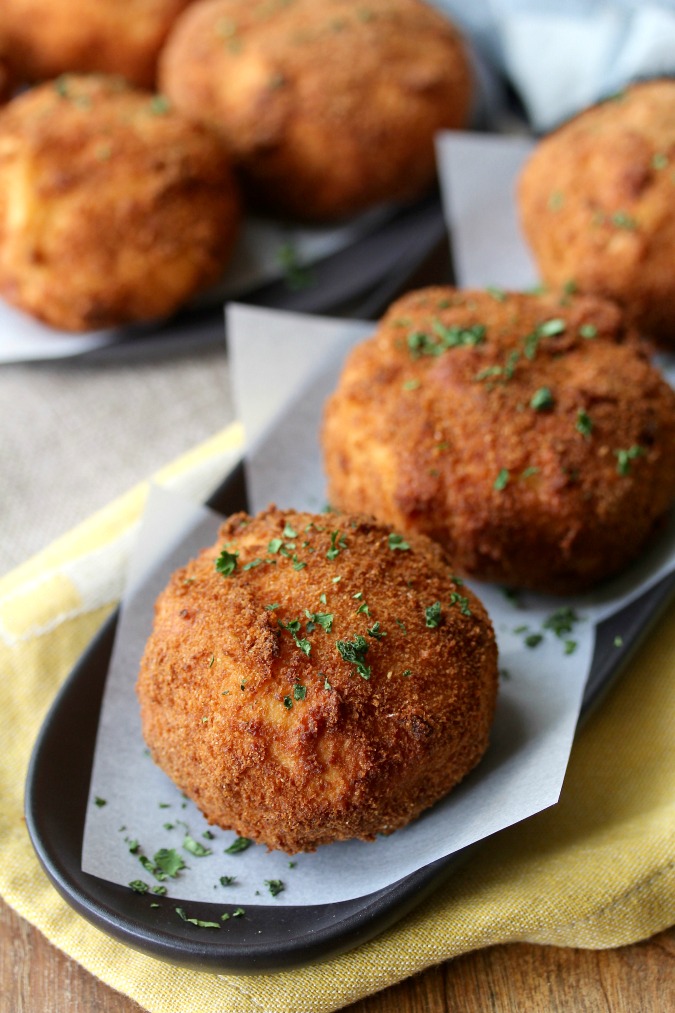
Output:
(266, 938)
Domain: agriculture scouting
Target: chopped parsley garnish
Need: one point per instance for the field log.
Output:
(299, 692)
(238, 845)
(375, 632)
(159, 105)
(354, 651)
(421, 343)
(363, 608)
(288, 531)
(618, 641)
(227, 880)
(622, 220)
(529, 472)
(624, 458)
(253, 563)
(238, 912)
(196, 921)
(100, 802)
(462, 601)
(194, 847)
(288, 702)
(401, 625)
(432, 615)
(296, 274)
(273, 607)
(397, 542)
(406, 673)
(337, 542)
(502, 479)
(588, 331)
(275, 886)
(584, 423)
(169, 861)
(275, 545)
(293, 628)
(547, 329)
(138, 886)
(533, 639)
(226, 563)
(322, 619)
(542, 400)
(562, 621)
(570, 646)
(411, 384)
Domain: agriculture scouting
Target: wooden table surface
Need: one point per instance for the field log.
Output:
(35, 977)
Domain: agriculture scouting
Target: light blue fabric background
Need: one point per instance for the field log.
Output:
(562, 55)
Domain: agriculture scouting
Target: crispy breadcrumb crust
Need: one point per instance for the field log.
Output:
(597, 205)
(113, 207)
(326, 107)
(48, 38)
(268, 728)
(530, 435)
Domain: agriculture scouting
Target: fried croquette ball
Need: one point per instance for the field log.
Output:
(597, 204)
(113, 207)
(529, 435)
(314, 678)
(327, 107)
(48, 38)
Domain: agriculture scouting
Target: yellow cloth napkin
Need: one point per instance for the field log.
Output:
(597, 870)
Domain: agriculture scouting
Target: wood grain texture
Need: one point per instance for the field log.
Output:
(35, 977)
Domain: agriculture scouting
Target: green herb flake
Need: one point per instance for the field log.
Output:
(401, 625)
(196, 921)
(238, 845)
(397, 542)
(253, 563)
(433, 615)
(461, 601)
(354, 652)
(533, 639)
(406, 673)
(337, 543)
(625, 457)
(194, 847)
(618, 641)
(293, 628)
(299, 692)
(529, 472)
(227, 880)
(622, 220)
(100, 802)
(238, 913)
(296, 274)
(275, 546)
(584, 423)
(159, 105)
(288, 703)
(375, 632)
(159, 891)
(542, 400)
(502, 479)
(498, 294)
(411, 384)
(138, 886)
(562, 621)
(226, 563)
(273, 607)
(288, 532)
(570, 646)
(169, 861)
(322, 619)
(275, 886)
(588, 331)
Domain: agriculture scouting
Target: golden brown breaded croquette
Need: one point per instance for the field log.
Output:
(113, 207)
(530, 435)
(315, 678)
(327, 107)
(597, 204)
(124, 37)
